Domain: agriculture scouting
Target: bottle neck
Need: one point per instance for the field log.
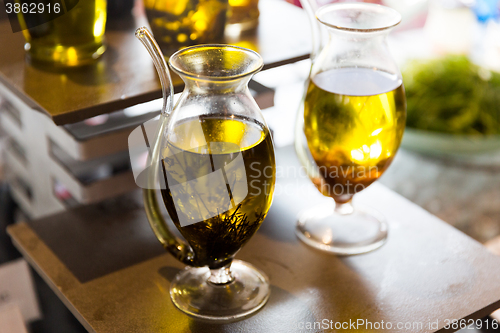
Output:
(206, 86)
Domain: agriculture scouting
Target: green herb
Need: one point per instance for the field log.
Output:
(452, 95)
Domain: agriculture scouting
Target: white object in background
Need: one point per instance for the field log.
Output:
(450, 27)
(17, 288)
(491, 45)
(11, 320)
(409, 10)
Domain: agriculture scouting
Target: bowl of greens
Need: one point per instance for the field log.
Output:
(453, 107)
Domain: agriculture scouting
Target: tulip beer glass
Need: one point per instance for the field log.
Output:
(351, 124)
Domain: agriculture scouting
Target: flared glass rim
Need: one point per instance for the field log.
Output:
(394, 17)
(254, 68)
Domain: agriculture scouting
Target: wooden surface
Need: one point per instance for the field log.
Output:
(105, 264)
(462, 191)
(125, 74)
(494, 246)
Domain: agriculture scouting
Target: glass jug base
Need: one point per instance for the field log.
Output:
(361, 231)
(247, 293)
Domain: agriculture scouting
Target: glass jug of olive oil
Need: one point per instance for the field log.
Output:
(212, 163)
(351, 123)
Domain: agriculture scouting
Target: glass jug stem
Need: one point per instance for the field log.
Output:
(221, 276)
(344, 208)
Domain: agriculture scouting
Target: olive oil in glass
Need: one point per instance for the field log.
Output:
(73, 39)
(354, 120)
(179, 23)
(243, 15)
(192, 153)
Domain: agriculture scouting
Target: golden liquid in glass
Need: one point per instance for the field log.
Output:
(217, 239)
(354, 120)
(73, 39)
(244, 12)
(179, 23)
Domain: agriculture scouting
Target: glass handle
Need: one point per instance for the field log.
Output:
(170, 242)
(310, 6)
(154, 50)
(178, 248)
